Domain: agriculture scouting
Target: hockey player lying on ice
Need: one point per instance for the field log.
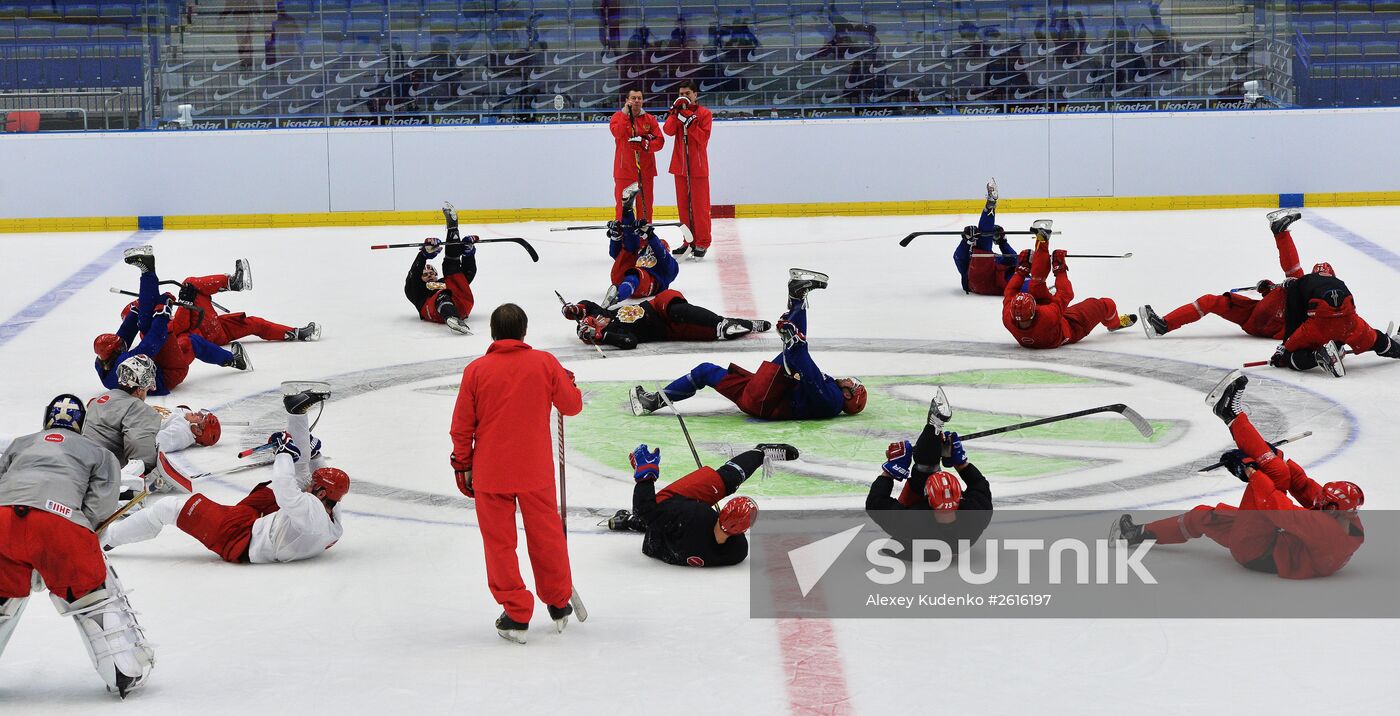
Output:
(667, 317)
(1262, 317)
(680, 522)
(789, 387)
(199, 315)
(449, 300)
(1267, 532)
(642, 262)
(171, 351)
(985, 276)
(932, 505)
(1038, 318)
(297, 517)
(56, 487)
(1319, 315)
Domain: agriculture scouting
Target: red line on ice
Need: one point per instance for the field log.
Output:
(733, 268)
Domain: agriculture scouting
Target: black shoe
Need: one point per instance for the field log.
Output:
(802, 281)
(682, 249)
(1280, 220)
(1125, 530)
(299, 403)
(697, 253)
(1152, 324)
(1227, 399)
(308, 332)
(510, 629)
(242, 277)
(644, 402)
(560, 615)
(142, 257)
(239, 360)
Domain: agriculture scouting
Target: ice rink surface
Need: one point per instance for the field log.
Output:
(397, 618)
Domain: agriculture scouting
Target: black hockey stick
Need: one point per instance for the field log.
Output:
(1133, 417)
(595, 345)
(661, 390)
(1068, 256)
(905, 241)
(1276, 443)
(123, 292)
(534, 256)
(604, 226)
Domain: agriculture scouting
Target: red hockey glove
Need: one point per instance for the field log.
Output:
(1023, 261)
(464, 483)
(459, 464)
(1057, 261)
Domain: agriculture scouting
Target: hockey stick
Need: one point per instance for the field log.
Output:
(171, 282)
(136, 500)
(1276, 443)
(133, 294)
(595, 345)
(1343, 353)
(604, 226)
(268, 446)
(534, 256)
(1068, 256)
(687, 229)
(905, 241)
(575, 600)
(637, 157)
(1133, 417)
(661, 390)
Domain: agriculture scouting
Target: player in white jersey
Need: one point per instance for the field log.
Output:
(293, 517)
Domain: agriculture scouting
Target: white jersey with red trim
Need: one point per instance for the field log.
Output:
(301, 528)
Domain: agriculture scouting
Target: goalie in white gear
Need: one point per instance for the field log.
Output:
(56, 487)
(295, 516)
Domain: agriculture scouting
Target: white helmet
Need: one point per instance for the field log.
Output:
(138, 371)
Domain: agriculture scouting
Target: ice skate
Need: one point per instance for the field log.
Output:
(625, 521)
(697, 253)
(992, 194)
(940, 411)
(299, 395)
(778, 452)
(760, 325)
(1152, 324)
(1124, 321)
(1392, 347)
(449, 214)
(458, 325)
(683, 249)
(308, 332)
(142, 257)
(1042, 229)
(1125, 530)
(610, 297)
(1330, 359)
(242, 277)
(239, 360)
(644, 402)
(1280, 220)
(1226, 399)
(731, 328)
(802, 281)
(510, 629)
(560, 615)
(629, 200)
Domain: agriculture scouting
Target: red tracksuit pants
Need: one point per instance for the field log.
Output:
(644, 202)
(698, 197)
(544, 540)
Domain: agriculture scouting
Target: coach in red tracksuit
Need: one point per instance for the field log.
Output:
(638, 138)
(690, 124)
(501, 453)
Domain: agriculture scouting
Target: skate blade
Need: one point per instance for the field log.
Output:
(1144, 311)
(559, 625)
(511, 635)
(292, 387)
(797, 274)
(939, 408)
(634, 403)
(1214, 396)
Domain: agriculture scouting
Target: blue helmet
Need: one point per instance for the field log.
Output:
(65, 411)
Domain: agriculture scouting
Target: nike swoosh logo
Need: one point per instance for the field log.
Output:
(658, 59)
(1188, 47)
(679, 73)
(973, 96)
(830, 99)
(1139, 48)
(706, 86)
(366, 93)
(201, 81)
(613, 59)
(589, 74)
(1164, 63)
(392, 77)
(1237, 75)
(1021, 65)
(1121, 92)
(246, 110)
(267, 94)
(341, 79)
(463, 90)
(1046, 49)
(496, 104)
(755, 85)
(658, 87)
(609, 88)
(1097, 78)
(901, 54)
(298, 108)
(592, 103)
(633, 74)
(414, 62)
(513, 61)
(975, 66)
(777, 71)
(883, 97)
(827, 71)
(493, 75)
(563, 88)
(1001, 51)
(172, 96)
(221, 96)
(922, 68)
(272, 66)
(801, 85)
(1218, 61)
(1217, 90)
(1071, 65)
(801, 56)
(1022, 94)
(848, 55)
(221, 66)
(731, 72)
(513, 90)
(707, 57)
(414, 92)
(998, 81)
(1091, 50)
(853, 85)
(538, 75)
(899, 83)
(877, 69)
(785, 100)
(1188, 75)
(562, 60)
(756, 56)
(1140, 77)
(459, 62)
(1121, 63)
(343, 107)
(440, 105)
(1164, 92)
(542, 103)
(731, 101)
(316, 64)
(396, 106)
(439, 76)
(1237, 47)
(931, 95)
(181, 66)
(957, 51)
(303, 78)
(366, 64)
(1043, 79)
(318, 93)
(1071, 94)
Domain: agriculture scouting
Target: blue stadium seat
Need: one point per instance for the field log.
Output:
(1361, 27)
(117, 11)
(72, 32)
(1383, 50)
(85, 11)
(34, 31)
(8, 12)
(7, 30)
(365, 26)
(370, 7)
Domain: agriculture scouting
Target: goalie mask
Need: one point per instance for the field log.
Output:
(65, 411)
(136, 373)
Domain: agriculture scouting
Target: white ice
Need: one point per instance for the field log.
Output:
(397, 618)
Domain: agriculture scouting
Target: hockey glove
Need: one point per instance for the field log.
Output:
(615, 230)
(638, 140)
(431, 246)
(166, 310)
(469, 244)
(953, 453)
(1237, 463)
(645, 465)
(1023, 261)
(899, 457)
(188, 293)
(969, 235)
(315, 448)
(1279, 358)
(573, 311)
(589, 331)
(284, 445)
(1265, 286)
(1057, 261)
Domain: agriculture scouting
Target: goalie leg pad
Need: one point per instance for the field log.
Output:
(11, 609)
(114, 640)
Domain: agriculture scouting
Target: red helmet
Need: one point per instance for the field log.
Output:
(738, 515)
(1323, 269)
(108, 346)
(333, 481)
(1340, 495)
(209, 428)
(1023, 307)
(854, 393)
(943, 490)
